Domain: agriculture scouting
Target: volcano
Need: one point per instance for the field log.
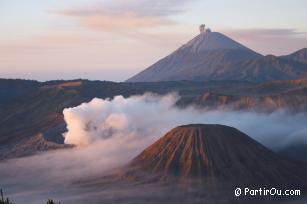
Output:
(213, 56)
(210, 50)
(197, 163)
(215, 153)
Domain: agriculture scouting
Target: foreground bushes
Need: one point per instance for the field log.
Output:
(7, 201)
(4, 201)
(51, 202)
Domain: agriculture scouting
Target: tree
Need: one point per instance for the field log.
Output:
(7, 201)
(4, 201)
(50, 201)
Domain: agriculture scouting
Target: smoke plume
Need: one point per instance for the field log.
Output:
(147, 117)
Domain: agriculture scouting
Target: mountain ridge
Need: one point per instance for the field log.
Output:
(299, 55)
(37, 109)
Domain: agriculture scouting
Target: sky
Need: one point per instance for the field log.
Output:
(115, 39)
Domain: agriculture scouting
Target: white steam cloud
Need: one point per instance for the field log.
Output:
(147, 117)
(137, 117)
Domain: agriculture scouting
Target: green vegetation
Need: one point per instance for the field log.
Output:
(4, 201)
(51, 202)
(7, 201)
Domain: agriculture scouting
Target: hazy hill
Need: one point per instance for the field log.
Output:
(300, 56)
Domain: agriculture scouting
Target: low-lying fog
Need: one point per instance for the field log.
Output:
(109, 133)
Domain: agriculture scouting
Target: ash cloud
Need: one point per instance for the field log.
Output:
(110, 132)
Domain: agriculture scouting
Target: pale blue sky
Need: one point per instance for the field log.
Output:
(113, 39)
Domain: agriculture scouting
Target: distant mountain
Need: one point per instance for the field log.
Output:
(11, 89)
(299, 56)
(292, 100)
(214, 56)
(213, 153)
(205, 54)
(264, 69)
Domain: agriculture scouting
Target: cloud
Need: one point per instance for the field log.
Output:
(126, 15)
(140, 7)
(150, 116)
(123, 22)
(116, 118)
(260, 33)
